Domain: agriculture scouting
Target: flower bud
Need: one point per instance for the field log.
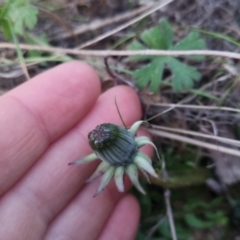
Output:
(113, 144)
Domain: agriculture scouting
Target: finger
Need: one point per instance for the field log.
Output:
(85, 210)
(38, 112)
(93, 214)
(123, 222)
(51, 184)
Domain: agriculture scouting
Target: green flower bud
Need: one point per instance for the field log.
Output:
(113, 144)
(118, 148)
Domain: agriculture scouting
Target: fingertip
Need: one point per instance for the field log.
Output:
(123, 222)
(80, 70)
(127, 100)
(132, 202)
(61, 96)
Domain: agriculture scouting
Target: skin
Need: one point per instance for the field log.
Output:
(44, 125)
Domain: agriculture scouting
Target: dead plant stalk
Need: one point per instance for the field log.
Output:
(195, 142)
(216, 138)
(105, 53)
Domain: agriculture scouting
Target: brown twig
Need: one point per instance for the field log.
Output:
(105, 53)
(197, 134)
(119, 79)
(195, 142)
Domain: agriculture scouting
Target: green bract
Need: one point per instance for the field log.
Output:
(118, 148)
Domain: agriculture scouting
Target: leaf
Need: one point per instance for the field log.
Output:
(6, 29)
(219, 217)
(161, 37)
(22, 14)
(151, 73)
(183, 75)
(167, 31)
(136, 45)
(191, 41)
(193, 205)
(196, 222)
(40, 40)
(154, 39)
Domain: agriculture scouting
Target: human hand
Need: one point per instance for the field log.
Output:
(44, 125)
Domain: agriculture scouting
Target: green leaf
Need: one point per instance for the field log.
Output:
(191, 41)
(183, 75)
(21, 16)
(39, 40)
(218, 217)
(151, 73)
(6, 29)
(193, 205)
(196, 222)
(166, 30)
(136, 45)
(161, 37)
(154, 39)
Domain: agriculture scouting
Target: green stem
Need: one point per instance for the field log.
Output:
(19, 51)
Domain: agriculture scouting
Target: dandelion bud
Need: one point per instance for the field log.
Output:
(118, 148)
(113, 144)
